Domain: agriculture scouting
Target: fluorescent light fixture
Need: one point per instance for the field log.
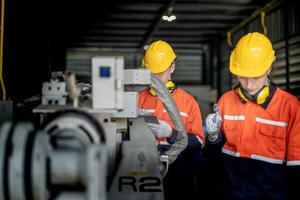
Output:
(165, 17)
(169, 18)
(172, 17)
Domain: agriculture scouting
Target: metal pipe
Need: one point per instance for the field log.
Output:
(1, 50)
(170, 105)
(263, 22)
(269, 6)
(286, 41)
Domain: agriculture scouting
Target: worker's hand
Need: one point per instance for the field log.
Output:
(161, 130)
(213, 123)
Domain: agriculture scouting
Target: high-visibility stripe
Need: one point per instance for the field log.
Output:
(183, 114)
(293, 163)
(199, 139)
(231, 153)
(267, 159)
(163, 142)
(150, 110)
(258, 157)
(234, 117)
(271, 122)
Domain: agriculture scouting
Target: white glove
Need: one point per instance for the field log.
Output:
(161, 130)
(213, 123)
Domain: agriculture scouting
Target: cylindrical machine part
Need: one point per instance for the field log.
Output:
(72, 89)
(4, 135)
(32, 168)
(18, 158)
(39, 166)
(77, 124)
(65, 167)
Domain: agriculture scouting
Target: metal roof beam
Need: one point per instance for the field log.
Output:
(184, 33)
(111, 38)
(195, 25)
(122, 25)
(209, 16)
(109, 44)
(217, 1)
(116, 31)
(182, 39)
(207, 7)
(143, 6)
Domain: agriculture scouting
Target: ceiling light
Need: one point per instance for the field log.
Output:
(169, 16)
(172, 17)
(165, 17)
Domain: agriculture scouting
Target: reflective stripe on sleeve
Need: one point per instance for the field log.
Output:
(150, 110)
(271, 122)
(234, 117)
(183, 114)
(293, 163)
(266, 159)
(231, 153)
(164, 142)
(199, 139)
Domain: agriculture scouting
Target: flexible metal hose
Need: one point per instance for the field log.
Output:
(170, 105)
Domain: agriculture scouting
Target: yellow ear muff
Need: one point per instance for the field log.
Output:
(242, 96)
(152, 91)
(169, 84)
(260, 97)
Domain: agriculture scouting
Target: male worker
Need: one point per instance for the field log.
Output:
(257, 129)
(160, 60)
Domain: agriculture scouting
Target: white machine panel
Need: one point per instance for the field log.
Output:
(108, 82)
(130, 108)
(54, 93)
(137, 77)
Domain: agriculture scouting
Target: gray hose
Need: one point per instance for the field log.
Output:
(170, 105)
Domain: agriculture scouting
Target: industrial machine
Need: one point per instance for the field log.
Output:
(93, 148)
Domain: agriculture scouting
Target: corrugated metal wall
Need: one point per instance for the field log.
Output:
(283, 25)
(188, 67)
(80, 62)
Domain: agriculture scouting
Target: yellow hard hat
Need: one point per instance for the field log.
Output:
(158, 57)
(252, 56)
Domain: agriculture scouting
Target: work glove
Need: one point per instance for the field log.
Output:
(160, 130)
(213, 124)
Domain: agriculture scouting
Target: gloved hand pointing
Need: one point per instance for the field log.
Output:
(213, 123)
(161, 130)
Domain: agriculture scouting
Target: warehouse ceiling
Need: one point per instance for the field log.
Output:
(132, 24)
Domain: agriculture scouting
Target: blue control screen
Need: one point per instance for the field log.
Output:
(104, 71)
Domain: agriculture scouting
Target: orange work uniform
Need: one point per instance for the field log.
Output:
(187, 106)
(260, 144)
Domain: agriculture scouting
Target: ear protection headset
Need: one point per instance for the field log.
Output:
(259, 97)
(169, 84)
